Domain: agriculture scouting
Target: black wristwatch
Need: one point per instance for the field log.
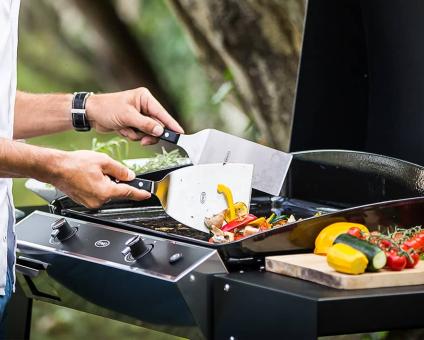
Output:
(79, 116)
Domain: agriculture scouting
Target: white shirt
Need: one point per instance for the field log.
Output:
(9, 12)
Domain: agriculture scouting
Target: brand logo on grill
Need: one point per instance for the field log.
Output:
(102, 243)
(203, 197)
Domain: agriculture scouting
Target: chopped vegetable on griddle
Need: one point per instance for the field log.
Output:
(235, 222)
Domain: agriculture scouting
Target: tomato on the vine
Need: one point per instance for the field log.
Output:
(416, 243)
(397, 236)
(410, 244)
(355, 231)
(385, 244)
(415, 259)
(395, 261)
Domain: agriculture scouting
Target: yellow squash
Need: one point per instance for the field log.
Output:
(327, 235)
(345, 259)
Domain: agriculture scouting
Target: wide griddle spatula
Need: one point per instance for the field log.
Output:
(190, 194)
(213, 146)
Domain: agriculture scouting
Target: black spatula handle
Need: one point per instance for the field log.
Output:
(170, 136)
(139, 183)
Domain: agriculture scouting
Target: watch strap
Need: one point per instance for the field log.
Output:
(79, 117)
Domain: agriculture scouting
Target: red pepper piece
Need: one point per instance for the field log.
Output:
(238, 223)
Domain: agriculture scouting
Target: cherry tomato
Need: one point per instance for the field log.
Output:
(419, 235)
(415, 259)
(420, 240)
(385, 244)
(413, 243)
(395, 261)
(355, 231)
(408, 244)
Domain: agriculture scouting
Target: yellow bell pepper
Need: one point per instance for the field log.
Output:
(327, 235)
(226, 191)
(240, 210)
(345, 259)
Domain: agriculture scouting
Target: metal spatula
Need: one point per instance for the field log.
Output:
(190, 194)
(213, 146)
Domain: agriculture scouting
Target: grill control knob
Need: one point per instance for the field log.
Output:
(62, 230)
(135, 247)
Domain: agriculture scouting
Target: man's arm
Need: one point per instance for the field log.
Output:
(41, 114)
(82, 175)
(123, 112)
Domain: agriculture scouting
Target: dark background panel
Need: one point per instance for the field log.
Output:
(361, 81)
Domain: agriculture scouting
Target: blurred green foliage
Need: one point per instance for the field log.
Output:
(50, 322)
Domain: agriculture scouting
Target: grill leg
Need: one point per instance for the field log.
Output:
(18, 318)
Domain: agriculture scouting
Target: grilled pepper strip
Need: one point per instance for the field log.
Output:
(258, 222)
(226, 191)
(279, 218)
(239, 223)
(269, 219)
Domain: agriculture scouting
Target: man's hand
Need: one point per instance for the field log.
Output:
(84, 177)
(134, 114)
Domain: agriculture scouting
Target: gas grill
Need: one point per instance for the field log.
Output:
(129, 261)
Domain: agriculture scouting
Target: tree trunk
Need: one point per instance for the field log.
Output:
(129, 63)
(258, 42)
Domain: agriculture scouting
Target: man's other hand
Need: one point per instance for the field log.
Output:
(134, 114)
(84, 177)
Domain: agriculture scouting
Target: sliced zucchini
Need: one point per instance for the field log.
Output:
(376, 257)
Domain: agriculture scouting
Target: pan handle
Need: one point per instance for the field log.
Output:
(139, 183)
(170, 136)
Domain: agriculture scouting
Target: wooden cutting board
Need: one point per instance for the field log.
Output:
(314, 268)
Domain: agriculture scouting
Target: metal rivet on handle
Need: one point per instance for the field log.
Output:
(226, 287)
(140, 184)
(166, 134)
(192, 278)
